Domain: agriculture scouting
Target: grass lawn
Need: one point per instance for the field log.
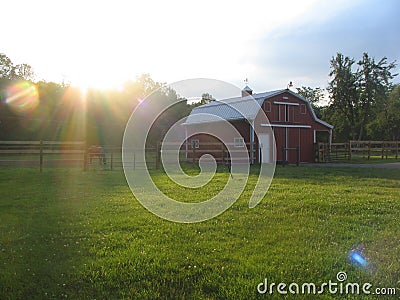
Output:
(65, 233)
(373, 160)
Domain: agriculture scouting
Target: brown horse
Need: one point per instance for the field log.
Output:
(97, 152)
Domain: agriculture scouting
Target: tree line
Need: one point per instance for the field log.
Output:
(44, 110)
(363, 104)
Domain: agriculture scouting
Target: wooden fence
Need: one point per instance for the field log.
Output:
(356, 149)
(44, 154)
(41, 153)
(113, 158)
(192, 151)
(191, 154)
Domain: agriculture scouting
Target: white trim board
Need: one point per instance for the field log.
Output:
(285, 126)
(286, 103)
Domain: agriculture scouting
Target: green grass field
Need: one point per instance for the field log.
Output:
(65, 233)
(373, 160)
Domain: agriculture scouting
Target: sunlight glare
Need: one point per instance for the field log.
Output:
(22, 97)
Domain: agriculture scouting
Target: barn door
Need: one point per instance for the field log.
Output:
(266, 148)
(293, 141)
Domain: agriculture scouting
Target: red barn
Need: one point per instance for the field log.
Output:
(291, 117)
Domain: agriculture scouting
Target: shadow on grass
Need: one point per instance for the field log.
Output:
(322, 174)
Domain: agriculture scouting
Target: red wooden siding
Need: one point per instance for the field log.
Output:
(293, 126)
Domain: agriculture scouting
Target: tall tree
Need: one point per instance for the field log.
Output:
(386, 121)
(343, 90)
(357, 94)
(374, 85)
(393, 114)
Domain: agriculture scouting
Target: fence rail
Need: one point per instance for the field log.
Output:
(42, 154)
(357, 149)
(54, 153)
(35, 153)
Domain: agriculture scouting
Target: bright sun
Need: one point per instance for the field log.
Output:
(94, 81)
(106, 54)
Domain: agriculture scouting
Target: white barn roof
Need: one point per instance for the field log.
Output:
(237, 108)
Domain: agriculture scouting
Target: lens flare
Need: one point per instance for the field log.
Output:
(357, 258)
(22, 98)
(178, 138)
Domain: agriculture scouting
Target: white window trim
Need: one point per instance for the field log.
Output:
(285, 126)
(286, 103)
(238, 142)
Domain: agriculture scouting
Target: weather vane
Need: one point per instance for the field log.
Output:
(246, 81)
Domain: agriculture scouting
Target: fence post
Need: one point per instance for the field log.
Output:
(223, 153)
(387, 149)
(41, 156)
(194, 152)
(319, 152)
(349, 150)
(297, 156)
(157, 155)
(111, 160)
(369, 149)
(283, 156)
(397, 149)
(85, 157)
(383, 150)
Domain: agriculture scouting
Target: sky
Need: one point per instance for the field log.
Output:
(102, 44)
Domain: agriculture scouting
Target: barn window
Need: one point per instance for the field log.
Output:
(302, 109)
(195, 143)
(267, 106)
(238, 142)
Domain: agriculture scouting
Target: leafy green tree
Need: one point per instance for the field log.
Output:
(341, 125)
(386, 124)
(11, 122)
(315, 96)
(373, 85)
(6, 67)
(206, 98)
(168, 117)
(343, 90)
(24, 72)
(356, 95)
(65, 113)
(14, 72)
